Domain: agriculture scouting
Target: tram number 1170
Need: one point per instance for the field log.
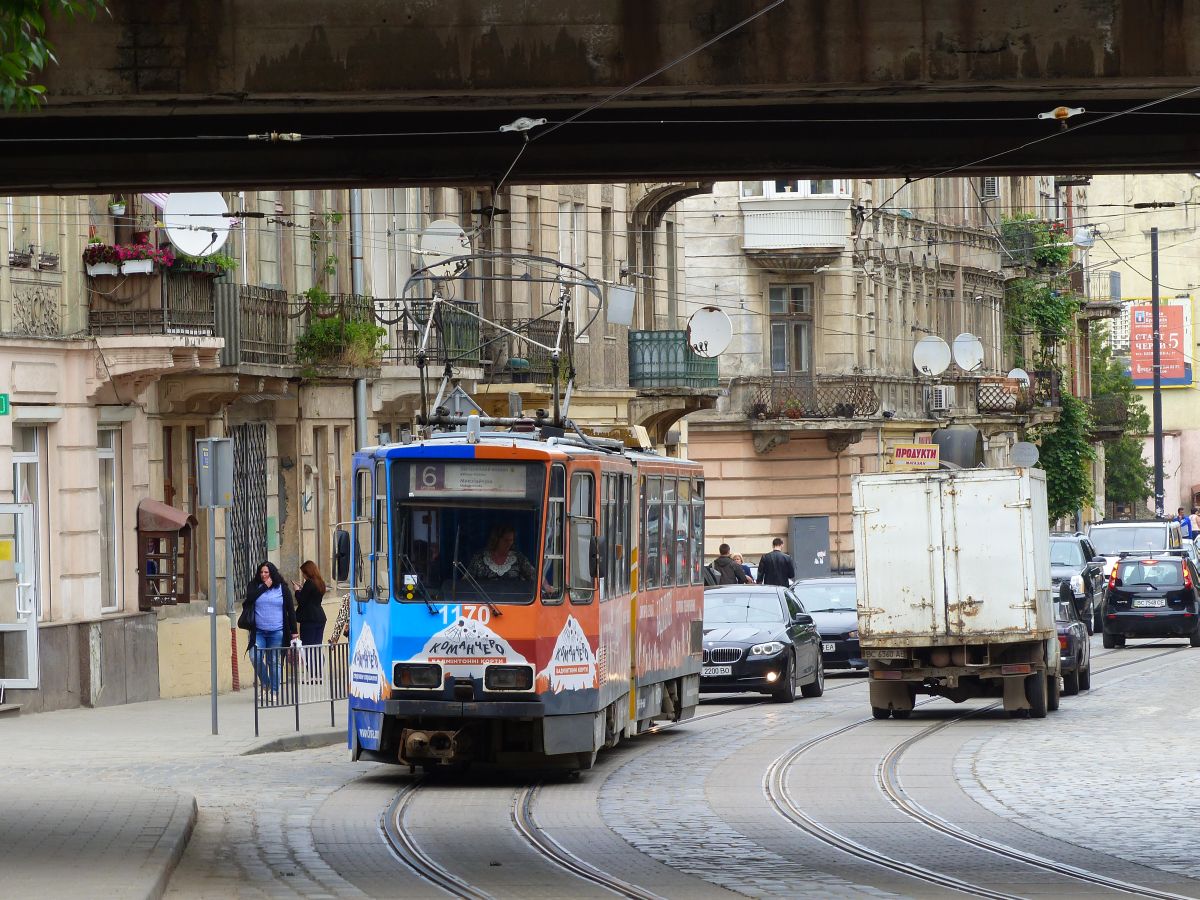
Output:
(453, 612)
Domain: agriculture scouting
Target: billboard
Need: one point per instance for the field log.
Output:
(1175, 341)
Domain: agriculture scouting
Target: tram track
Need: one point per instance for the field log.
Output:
(775, 786)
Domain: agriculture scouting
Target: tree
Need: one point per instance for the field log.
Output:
(1066, 452)
(24, 49)
(1127, 475)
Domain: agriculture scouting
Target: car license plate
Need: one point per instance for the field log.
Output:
(828, 647)
(1148, 602)
(710, 671)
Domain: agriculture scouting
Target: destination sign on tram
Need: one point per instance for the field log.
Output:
(454, 479)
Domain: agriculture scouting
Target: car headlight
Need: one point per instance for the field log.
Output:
(770, 648)
(1077, 583)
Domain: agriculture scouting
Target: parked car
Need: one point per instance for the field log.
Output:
(1152, 596)
(1074, 560)
(832, 602)
(1111, 539)
(759, 638)
(1075, 647)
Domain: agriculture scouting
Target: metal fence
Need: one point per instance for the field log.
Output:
(312, 673)
(818, 397)
(663, 359)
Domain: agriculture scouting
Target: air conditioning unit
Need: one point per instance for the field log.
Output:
(939, 398)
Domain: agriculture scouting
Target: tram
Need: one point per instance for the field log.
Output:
(519, 597)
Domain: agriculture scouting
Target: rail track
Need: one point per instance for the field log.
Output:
(775, 785)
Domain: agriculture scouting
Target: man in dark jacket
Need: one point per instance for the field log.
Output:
(776, 567)
(728, 571)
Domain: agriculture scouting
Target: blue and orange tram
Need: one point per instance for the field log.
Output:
(518, 598)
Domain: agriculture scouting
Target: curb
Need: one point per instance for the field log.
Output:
(291, 742)
(159, 888)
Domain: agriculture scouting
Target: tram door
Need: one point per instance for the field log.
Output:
(18, 598)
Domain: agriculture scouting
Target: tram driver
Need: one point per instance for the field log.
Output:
(500, 559)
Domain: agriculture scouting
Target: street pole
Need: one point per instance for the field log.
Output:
(212, 609)
(1159, 499)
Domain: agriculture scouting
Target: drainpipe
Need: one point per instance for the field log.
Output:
(358, 287)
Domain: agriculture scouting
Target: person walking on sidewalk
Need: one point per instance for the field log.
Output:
(776, 567)
(272, 613)
(728, 571)
(310, 615)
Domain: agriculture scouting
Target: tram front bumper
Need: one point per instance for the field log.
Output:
(459, 709)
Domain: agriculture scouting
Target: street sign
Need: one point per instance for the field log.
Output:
(906, 457)
(4, 405)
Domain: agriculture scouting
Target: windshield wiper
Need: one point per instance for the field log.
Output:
(471, 578)
(420, 583)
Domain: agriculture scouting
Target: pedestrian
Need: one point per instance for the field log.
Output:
(776, 567)
(728, 571)
(1195, 518)
(1185, 524)
(737, 558)
(341, 625)
(310, 615)
(268, 613)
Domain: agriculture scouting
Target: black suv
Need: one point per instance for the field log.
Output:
(1074, 560)
(1152, 595)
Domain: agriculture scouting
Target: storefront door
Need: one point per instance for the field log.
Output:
(18, 597)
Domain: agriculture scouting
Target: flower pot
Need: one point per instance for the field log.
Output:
(117, 209)
(94, 269)
(137, 267)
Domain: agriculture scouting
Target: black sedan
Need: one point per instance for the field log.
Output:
(1075, 646)
(833, 605)
(1075, 562)
(1152, 595)
(759, 638)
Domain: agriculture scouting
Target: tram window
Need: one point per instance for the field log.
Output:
(552, 556)
(363, 508)
(683, 537)
(608, 528)
(626, 512)
(651, 507)
(697, 531)
(379, 554)
(583, 530)
(667, 549)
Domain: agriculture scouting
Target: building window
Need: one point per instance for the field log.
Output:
(791, 311)
(796, 187)
(108, 442)
(29, 486)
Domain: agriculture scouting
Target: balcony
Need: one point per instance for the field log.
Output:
(162, 302)
(817, 397)
(454, 338)
(257, 324)
(663, 360)
(795, 225)
(1007, 395)
(513, 359)
(1110, 414)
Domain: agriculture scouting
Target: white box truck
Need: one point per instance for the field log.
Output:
(954, 596)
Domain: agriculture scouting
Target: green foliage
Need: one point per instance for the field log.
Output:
(222, 262)
(336, 337)
(1038, 242)
(1127, 475)
(24, 49)
(1042, 308)
(1066, 454)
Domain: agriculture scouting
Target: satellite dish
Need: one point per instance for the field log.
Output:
(931, 356)
(968, 351)
(1024, 454)
(1083, 237)
(441, 240)
(197, 224)
(709, 332)
(1020, 375)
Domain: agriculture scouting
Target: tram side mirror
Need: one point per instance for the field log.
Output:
(341, 555)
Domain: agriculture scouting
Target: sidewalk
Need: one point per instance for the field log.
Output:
(91, 800)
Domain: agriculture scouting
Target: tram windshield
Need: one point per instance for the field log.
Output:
(467, 530)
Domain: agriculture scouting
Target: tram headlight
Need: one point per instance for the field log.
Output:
(417, 675)
(508, 678)
(770, 648)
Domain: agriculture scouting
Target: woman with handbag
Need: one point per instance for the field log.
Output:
(268, 613)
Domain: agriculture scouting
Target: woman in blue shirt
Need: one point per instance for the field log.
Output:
(270, 611)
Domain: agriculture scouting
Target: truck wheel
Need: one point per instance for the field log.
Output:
(1038, 694)
(1054, 700)
(879, 713)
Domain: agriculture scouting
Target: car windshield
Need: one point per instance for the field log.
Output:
(741, 609)
(1066, 553)
(1111, 541)
(826, 596)
(1150, 571)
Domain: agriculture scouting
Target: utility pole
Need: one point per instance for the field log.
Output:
(1159, 511)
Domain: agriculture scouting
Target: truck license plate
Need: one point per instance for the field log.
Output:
(710, 671)
(828, 647)
(1148, 602)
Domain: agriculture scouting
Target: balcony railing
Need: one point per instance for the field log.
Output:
(511, 358)
(663, 359)
(1006, 396)
(1047, 387)
(164, 302)
(1109, 411)
(795, 223)
(816, 397)
(455, 337)
(257, 323)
